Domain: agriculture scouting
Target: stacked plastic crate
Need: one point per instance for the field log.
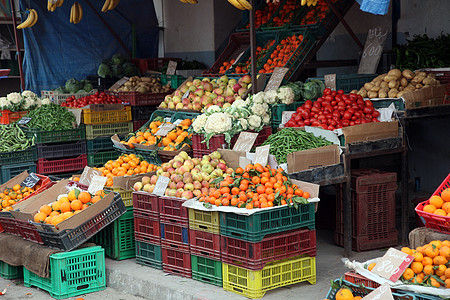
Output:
(15, 162)
(268, 249)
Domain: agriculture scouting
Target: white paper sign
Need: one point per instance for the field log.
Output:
(171, 67)
(185, 94)
(97, 184)
(165, 129)
(161, 185)
(392, 265)
(383, 292)
(244, 161)
(245, 141)
(262, 155)
(88, 174)
(330, 81)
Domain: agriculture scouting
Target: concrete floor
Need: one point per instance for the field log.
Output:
(127, 280)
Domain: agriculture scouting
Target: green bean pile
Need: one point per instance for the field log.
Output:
(12, 138)
(51, 117)
(289, 140)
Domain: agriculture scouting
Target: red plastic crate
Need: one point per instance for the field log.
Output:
(360, 280)
(146, 228)
(216, 142)
(175, 236)
(66, 165)
(435, 222)
(238, 43)
(29, 232)
(10, 226)
(138, 124)
(8, 117)
(136, 98)
(172, 211)
(176, 262)
(373, 210)
(146, 203)
(205, 244)
(154, 64)
(276, 246)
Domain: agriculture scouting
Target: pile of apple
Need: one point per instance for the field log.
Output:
(207, 92)
(189, 177)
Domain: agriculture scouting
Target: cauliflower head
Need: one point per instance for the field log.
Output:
(214, 109)
(46, 101)
(28, 94)
(271, 97)
(3, 102)
(218, 123)
(14, 97)
(239, 103)
(258, 98)
(199, 123)
(243, 123)
(285, 95)
(254, 122)
(266, 119)
(260, 109)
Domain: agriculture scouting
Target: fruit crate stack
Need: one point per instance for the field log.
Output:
(373, 210)
(14, 163)
(60, 151)
(101, 124)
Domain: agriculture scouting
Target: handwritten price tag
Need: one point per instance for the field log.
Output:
(262, 155)
(24, 120)
(185, 95)
(97, 184)
(381, 293)
(165, 129)
(245, 141)
(330, 81)
(161, 185)
(392, 265)
(171, 67)
(30, 181)
(88, 174)
(276, 79)
(372, 50)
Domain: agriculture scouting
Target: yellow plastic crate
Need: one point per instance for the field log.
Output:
(204, 220)
(93, 117)
(127, 195)
(254, 284)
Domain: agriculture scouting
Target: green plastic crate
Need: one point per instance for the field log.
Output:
(72, 273)
(179, 115)
(278, 109)
(10, 272)
(100, 144)
(399, 104)
(55, 136)
(255, 227)
(151, 156)
(93, 131)
(15, 157)
(10, 171)
(118, 238)
(350, 82)
(149, 255)
(206, 270)
(175, 80)
(100, 158)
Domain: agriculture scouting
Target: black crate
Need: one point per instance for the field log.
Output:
(72, 149)
(142, 112)
(100, 83)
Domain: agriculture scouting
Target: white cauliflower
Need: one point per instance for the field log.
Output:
(285, 95)
(254, 122)
(38, 102)
(28, 94)
(244, 124)
(46, 101)
(14, 97)
(214, 109)
(260, 109)
(3, 102)
(258, 98)
(271, 97)
(218, 123)
(266, 119)
(199, 123)
(239, 103)
(28, 103)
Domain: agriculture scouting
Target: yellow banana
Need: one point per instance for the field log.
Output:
(49, 6)
(236, 4)
(111, 4)
(80, 12)
(193, 1)
(59, 3)
(303, 2)
(245, 4)
(73, 14)
(35, 17)
(184, 1)
(76, 13)
(54, 7)
(106, 5)
(29, 20)
(116, 2)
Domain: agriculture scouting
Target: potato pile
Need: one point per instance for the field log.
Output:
(396, 83)
(144, 85)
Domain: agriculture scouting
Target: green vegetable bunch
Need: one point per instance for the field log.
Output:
(51, 117)
(12, 138)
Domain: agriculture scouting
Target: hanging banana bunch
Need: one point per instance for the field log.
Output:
(51, 6)
(76, 13)
(309, 2)
(189, 1)
(241, 4)
(110, 5)
(30, 20)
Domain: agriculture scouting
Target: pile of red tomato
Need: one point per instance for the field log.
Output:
(334, 110)
(97, 98)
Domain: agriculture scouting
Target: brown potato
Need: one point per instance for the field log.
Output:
(395, 72)
(389, 78)
(408, 74)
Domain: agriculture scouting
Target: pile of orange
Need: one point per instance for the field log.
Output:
(11, 196)
(175, 139)
(125, 165)
(282, 53)
(262, 16)
(430, 265)
(66, 206)
(285, 14)
(226, 65)
(439, 205)
(345, 293)
(243, 68)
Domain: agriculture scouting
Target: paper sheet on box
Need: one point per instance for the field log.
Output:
(359, 268)
(193, 203)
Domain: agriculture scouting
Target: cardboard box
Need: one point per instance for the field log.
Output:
(127, 182)
(26, 210)
(429, 96)
(370, 132)
(313, 158)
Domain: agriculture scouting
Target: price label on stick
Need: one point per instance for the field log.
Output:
(373, 50)
(161, 185)
(262, 155)
(97, 184)
(30, 181)
(245, 141)
(392, 265)
(171, 67)
(330, 81)
(276, 79)
(24, 120)
(165, 129)
(381, 293)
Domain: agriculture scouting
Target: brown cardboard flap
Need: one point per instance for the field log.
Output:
(127, 182)
(105, 107)
(313, 158)
(13, 181)
(311, 188)
(429, 96)
(370, 131)
(116, 141)
(231, 157)
(166, 152)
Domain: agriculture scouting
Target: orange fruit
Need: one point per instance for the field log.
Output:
(428, 270)
(371, 266)
(445, 195)
(437, 244)
(436, 201)
(427, 261)
(440, 212)
(56, 220)
(65, 207)
(429, 208)
(440, 270)
(447, 283)
(445, 251)
(53, 213)
(76, 205)
(73, 194)
(417, 279)
(344, 294)
(40, 217)
(63, 199)
(56, 206)
(417, 267)
(440, 260)
(418, 256)
(408, 274)
(407, 250)
(45, 209)
(435, 283)
(84, 197)
(446, 207)
(67, 215)
(48, 220)
(431, 251)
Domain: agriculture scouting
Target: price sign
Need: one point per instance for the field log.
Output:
(238, 58)
(245, 141)
(381, 293)
(97, 184)
(165, 129)
(171, 67)
(392, 265)
(262, 155)
(177, 122)
(24, 120)
(276, 79)
(373, 49)
(161, 185)
(330, 81)
(87, 175)
(30, 181)
(185, 94)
